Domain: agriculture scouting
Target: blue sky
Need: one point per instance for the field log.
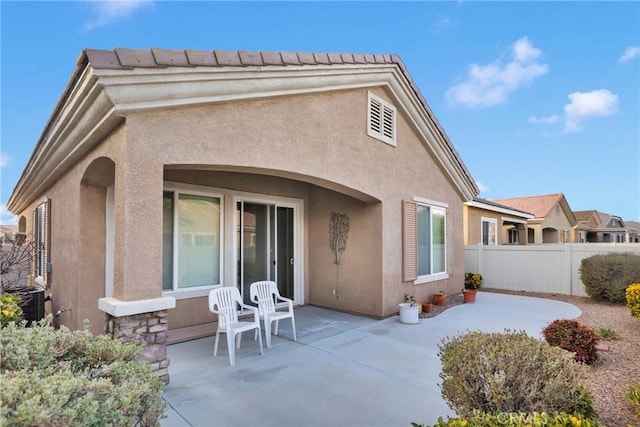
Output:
(537, 97)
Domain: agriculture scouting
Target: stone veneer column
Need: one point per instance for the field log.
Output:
(147, 320)
(152, 328)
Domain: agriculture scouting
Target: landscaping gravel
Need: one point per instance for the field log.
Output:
(615, 369)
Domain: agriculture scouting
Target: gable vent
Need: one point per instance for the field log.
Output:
(381, 122)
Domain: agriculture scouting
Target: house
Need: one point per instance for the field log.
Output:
(603, 227)
(490, 223)
(552, 222)
(162, 174)
(634, 231)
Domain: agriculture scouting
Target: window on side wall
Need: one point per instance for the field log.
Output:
(41, 236)
(513, 236)
(489, 231)
(424, 241)
(191, 240)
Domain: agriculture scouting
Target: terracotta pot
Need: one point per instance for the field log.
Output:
(426, 306)
(469, 295)
(439, 299)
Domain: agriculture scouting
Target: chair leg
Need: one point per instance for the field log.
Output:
(267, 331)
(275, 331)
(215, 347)
(232, 350)
(293, 326)
(260, 340)
(239, 340)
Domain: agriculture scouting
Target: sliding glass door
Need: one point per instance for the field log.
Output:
(265, 246)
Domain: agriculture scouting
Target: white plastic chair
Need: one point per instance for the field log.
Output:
(224, 302)
(266, 295)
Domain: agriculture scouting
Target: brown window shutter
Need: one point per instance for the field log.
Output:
(409, 241)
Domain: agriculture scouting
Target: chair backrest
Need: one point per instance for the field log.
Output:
(225, 300)
(263, 293)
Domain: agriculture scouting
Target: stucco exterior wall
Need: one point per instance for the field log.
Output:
(77, 241)
(310, 147)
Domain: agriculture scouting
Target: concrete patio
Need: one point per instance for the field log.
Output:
(344, 370)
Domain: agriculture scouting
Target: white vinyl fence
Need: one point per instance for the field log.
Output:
(548, 268)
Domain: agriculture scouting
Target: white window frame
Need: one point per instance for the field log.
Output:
(387, 114)
(439, 207)
(513, 232)
(495, 224)
(193, 190)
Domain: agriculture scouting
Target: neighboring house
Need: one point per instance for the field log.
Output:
(634, 231)
(601, 227)
(490, 223)
(163, 174)
(553, 220)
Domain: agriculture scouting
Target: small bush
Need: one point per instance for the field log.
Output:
(633, 393)
(575, 337)
(632, 296)
(10, 310)
(510, 372)
(513, 419)
(606, 276)
(607, 333)
(61, 377)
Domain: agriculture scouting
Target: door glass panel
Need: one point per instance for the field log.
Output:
(284, 260)
(254, 245)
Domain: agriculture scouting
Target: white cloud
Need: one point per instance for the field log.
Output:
(630, 53)
(588, 105)
(483, 188)
(549, 120)
(109, 11)
(4, 160)
(6, 217)
(441, 25)
(488, 85)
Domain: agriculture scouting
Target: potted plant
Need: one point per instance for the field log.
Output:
(439, 299)
(426, 306)
(472, 281)
(409, 310)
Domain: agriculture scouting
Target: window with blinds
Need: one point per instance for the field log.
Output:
(191, 242)
(381, 120)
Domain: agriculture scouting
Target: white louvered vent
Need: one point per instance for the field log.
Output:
(381, 121)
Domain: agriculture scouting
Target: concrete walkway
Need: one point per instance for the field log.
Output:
(344, 370)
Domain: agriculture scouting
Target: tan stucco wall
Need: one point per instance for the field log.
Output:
(556, 219)
(318, 140)
(77, 241)
(473, 225)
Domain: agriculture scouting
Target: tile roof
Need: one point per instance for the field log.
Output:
(123, 59)
(539, 206)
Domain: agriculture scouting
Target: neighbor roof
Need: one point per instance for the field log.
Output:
(539, 206)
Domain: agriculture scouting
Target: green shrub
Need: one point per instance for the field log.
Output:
(60, 377)
(575, 337)
(632, 296)
(515, 419)
(606, 333)
(606, 276)
(633, 393)
(10, 310)
(510, 372)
